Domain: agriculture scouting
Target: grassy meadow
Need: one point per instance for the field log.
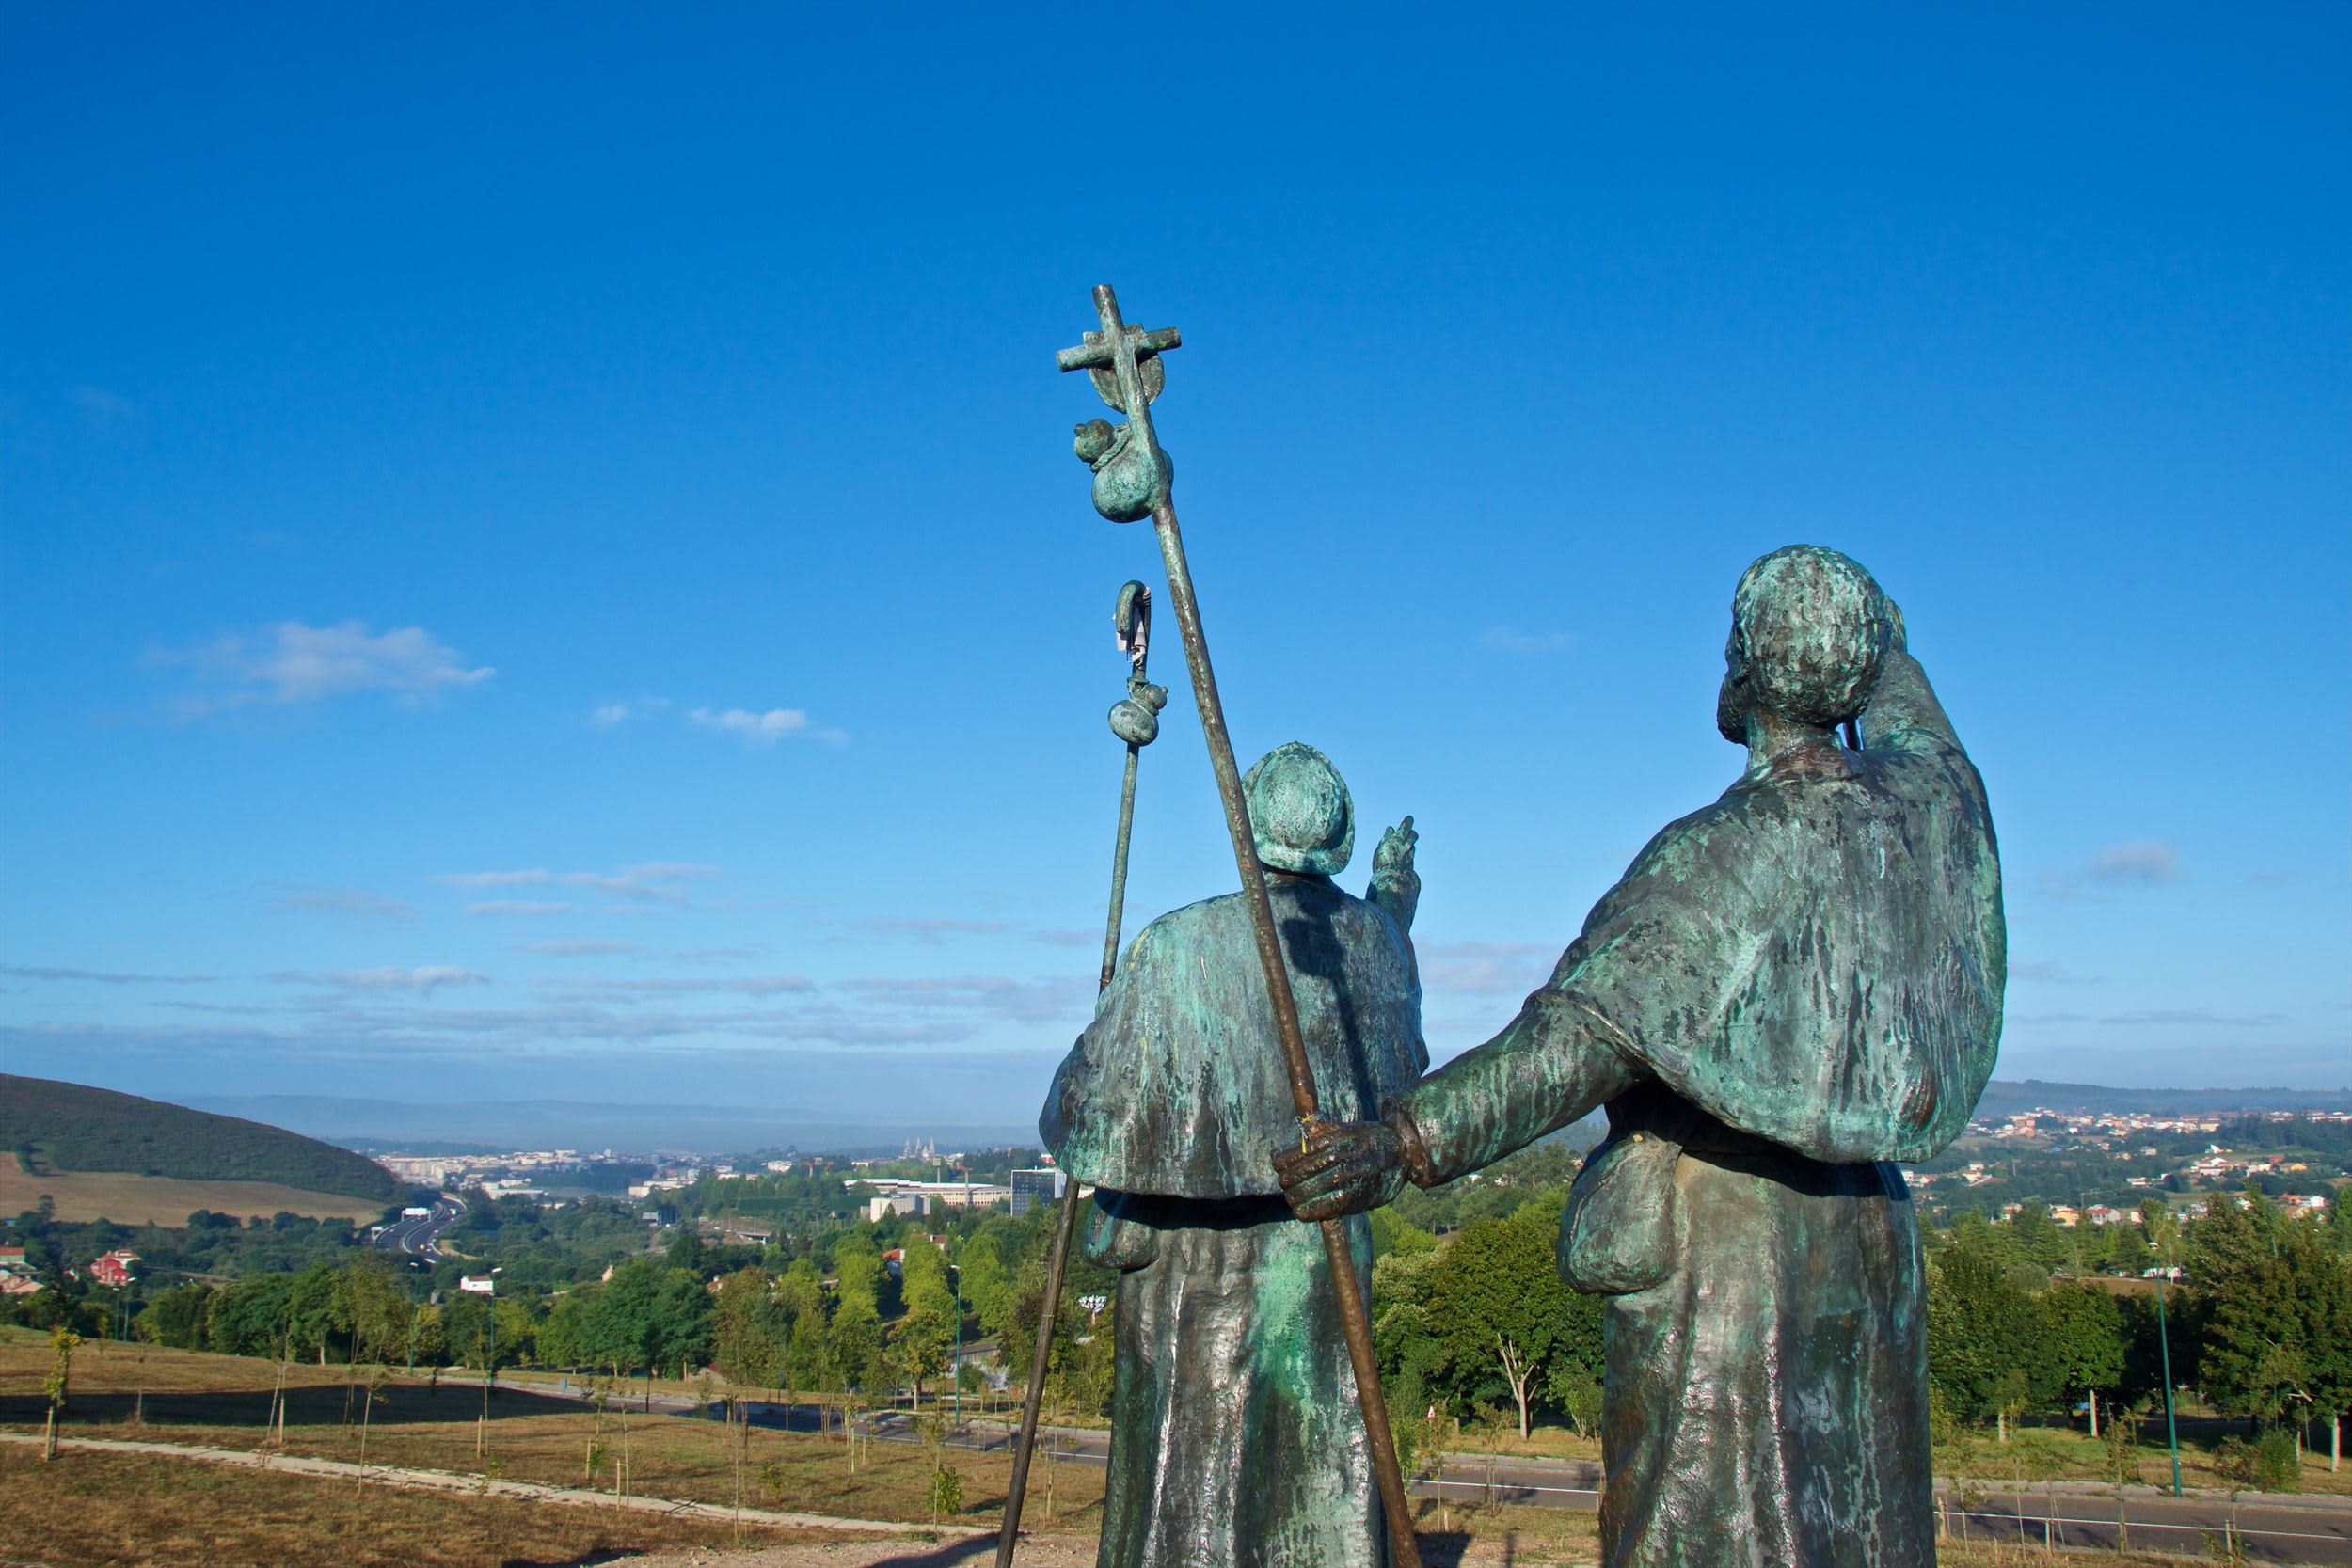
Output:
(127, 1198)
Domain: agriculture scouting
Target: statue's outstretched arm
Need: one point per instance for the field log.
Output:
(1555, 1062)
(1395, 885)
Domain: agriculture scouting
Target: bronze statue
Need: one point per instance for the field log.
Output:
(1235, 1433)
(1786, 991)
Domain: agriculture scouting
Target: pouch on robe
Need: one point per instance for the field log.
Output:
(1621, 1230)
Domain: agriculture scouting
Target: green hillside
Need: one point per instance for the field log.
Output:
(69, 1127)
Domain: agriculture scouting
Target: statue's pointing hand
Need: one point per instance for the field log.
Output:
(1395, 885)
(1343, 1169)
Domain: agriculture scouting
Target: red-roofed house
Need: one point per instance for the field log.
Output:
(114, 1268)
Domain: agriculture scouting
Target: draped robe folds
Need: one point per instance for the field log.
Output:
(1235, 1437)
(1788, 990)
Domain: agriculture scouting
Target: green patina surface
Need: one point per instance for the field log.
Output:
(1236, 1437)
(1788, 990)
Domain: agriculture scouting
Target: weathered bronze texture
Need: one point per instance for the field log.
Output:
(1135, 719)
(1235, 1437)
(1133, 479)
(1788, 990)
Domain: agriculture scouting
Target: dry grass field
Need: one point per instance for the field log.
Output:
(196, 1399)
(130, 1390)
(127, 1198)
(124, 1510)
(122, 1506)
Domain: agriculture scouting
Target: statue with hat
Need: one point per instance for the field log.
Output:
(1235, 1437)
(1790, 989)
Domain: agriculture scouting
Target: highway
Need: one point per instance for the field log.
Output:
(417, 1235)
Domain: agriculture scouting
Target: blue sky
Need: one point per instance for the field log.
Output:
(539, 554)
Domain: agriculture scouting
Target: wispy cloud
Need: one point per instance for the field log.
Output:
(764, 727)
(291, 663)
(425, 978)
(928, 930)
(992, 996)
(528, 907)
(605, 716)
(2049, 974)
(2171, 1016)
(357, 903)
(2140, 862)
(670, 871)
(103, 977)
(622, 885)
(1486, 968)
(1068, 938)
(650, 879)
(738, 985)
(580, 949)
(1510, 640)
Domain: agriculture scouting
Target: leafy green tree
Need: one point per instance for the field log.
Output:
(376, 1304)
(253, 1317)
(919, 1346)
(679, 1332)
(750, 1328)
(1392, 1234)
(1495, 1296)
(432, 1347)
(318, 1309)
(2324, 1303)
(2254, 1346)
(177, 1317)
(923, 1279)
(853, 1344)
(2082, 1340)
(2339, 1228)
(617, 1321)
(982, 1280)
(517, 1339)
(470, 1330)
(1981, 1330)
(1575, 1393)
(561, 1343)
(808, 1357)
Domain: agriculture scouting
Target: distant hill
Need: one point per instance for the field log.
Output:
(401, 1127)
(69, 1127)
(2003, 1097)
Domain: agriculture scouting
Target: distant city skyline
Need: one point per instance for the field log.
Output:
(546, 565)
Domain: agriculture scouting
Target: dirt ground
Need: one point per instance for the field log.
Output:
(952, 1551)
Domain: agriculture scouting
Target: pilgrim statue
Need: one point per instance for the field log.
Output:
(1788, 990)
(1235, 1437)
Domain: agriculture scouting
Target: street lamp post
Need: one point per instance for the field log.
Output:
(2164, 1349)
